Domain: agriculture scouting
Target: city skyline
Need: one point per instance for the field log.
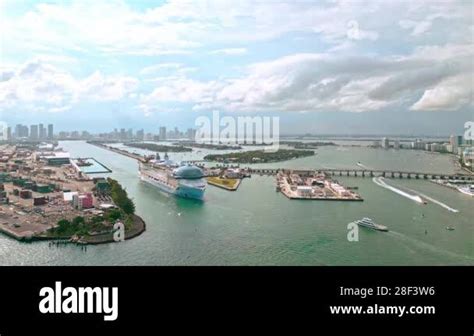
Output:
(86, 65)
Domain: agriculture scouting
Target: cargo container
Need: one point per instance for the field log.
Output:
(26, 194)
(43, 188)
(29, 185)
(39, 201)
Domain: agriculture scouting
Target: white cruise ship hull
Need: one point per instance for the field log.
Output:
(181, 190)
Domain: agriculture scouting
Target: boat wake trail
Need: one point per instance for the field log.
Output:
(421, 244)
(435, 201)
(380, 182)
(362, 165)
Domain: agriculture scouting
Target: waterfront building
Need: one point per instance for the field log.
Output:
(54, 158)
(455, 141)
(385, 143)
(468, 156)
(396, 144)
(304, 191)
(82, 201)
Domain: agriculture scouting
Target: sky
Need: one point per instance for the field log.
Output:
(325, 67)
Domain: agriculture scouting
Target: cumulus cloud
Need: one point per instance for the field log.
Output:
(44, 84)
(450, 94)
(315, 82)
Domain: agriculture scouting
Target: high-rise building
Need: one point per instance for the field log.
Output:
(455, 141)
(42, 132)
(396, 144)
(9, 133)
(191, 133)
(3, 131)
(50, 132)
(162, 133)
(18, 130)
(21, 131)
(385, 143)
(34, 132)
(123, 134)
(140, 135)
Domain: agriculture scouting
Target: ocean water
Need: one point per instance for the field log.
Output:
(258, 226)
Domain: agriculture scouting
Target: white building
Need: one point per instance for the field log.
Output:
(304, 191)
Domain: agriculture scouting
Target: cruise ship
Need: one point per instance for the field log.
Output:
(183, 181)
(369, 223)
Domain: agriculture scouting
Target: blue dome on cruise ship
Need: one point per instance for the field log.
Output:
(188, 172)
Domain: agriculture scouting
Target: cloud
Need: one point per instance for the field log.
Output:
(229, 51)
(44, 84)
(451, 94)
(178, 27)
(418, 28)
(318, 82)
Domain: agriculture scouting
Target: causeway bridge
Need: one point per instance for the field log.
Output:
(353, 172)
(369, 173)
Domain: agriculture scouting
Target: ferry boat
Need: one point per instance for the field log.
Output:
(369, 223)
(183, 181)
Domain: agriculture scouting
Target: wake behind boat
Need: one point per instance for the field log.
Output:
(468, 190)
(180, 180)
(369, 223)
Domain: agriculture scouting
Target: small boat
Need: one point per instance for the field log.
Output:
(468, 190)
(369, 223)
(449, 228)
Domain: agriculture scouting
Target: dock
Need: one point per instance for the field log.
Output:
(118, 151)
(224, 183)
(315, 186)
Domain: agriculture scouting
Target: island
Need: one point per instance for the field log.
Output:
(158, 148)
(206, 145)
(259, 156)
(307, 145)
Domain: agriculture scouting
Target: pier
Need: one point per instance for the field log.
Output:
(118, 151)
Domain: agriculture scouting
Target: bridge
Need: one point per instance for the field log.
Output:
(358, 172)
(369, 173)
